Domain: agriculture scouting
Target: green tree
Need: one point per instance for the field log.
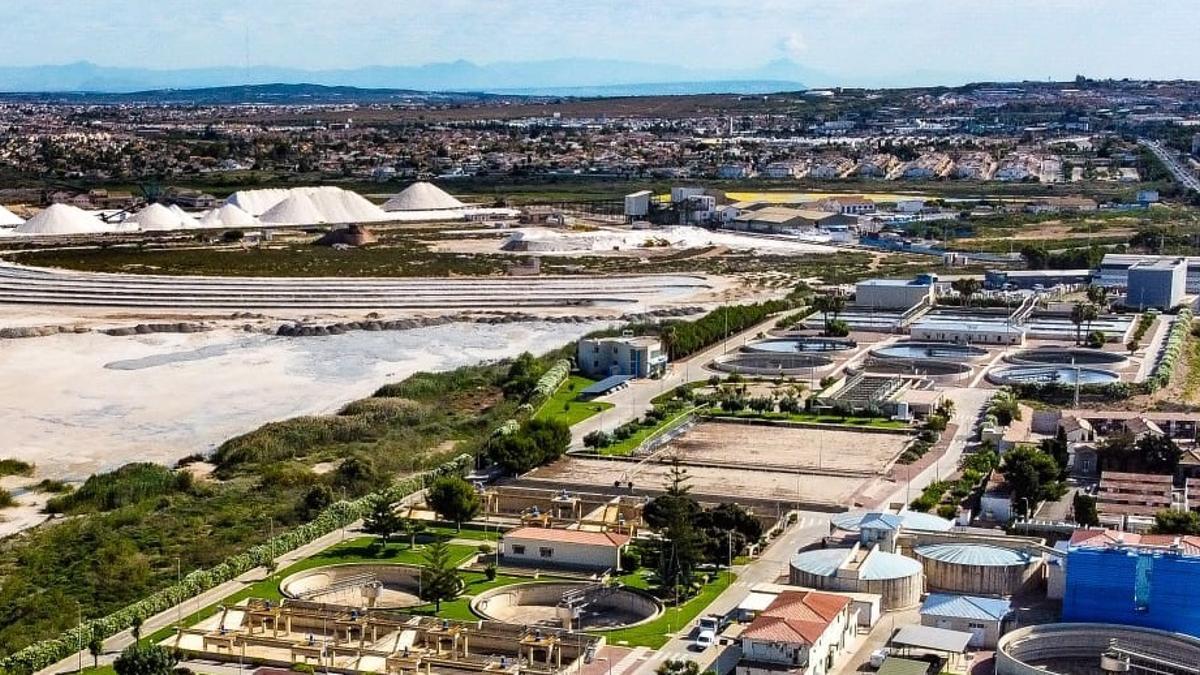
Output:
(453, 499)
(966, 288)
(678, 667)
(1078, 318)
(95, 648)
(1059, 449)
(522, 377)
(439, 576)
(382, 521)
(412, 527)
(537, 442)
(680, 543)
(1097, 295)
(1171, 521)
(135, 627)
(138, 659)
(1158, 454)
(1032, 475)
(1084, 507)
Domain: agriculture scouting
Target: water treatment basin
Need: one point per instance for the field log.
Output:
(946, 351)
(770, 364)
(370, 585)
(800, 344)
(1065, 375)
(555, 603)
(1067, 357)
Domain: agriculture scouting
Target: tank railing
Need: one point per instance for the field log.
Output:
(352, 581)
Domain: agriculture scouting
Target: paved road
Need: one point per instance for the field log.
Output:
(1183, 175)
(768, 568)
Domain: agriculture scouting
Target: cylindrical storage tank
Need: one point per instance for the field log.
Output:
(978, 569)
(895, 578)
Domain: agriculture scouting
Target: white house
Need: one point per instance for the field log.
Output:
(547, 547)
(801, 632)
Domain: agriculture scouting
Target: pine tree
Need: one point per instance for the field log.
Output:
(680, 545)
(439, 576)
(382, 521)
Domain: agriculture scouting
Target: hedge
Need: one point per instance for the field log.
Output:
(1161, 376)
(47, 652)
(548, 383)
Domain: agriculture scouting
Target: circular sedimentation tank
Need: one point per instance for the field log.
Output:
(978, 569)
(852, 521)
(369, 585)
(765, 363)
(800, 344)
(925, 367)
(1066, 375)
(1074, 648)
(943, 351)
(1067, 357)
(894, 577)
(543, 603)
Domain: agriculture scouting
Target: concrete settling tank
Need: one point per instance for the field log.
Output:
(860, 569)
(978, 569)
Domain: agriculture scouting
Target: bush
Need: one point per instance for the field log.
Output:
(15, 467)
(597, 439)
(948, 511)
(1095, 339)
(129, 484)
(631, 559)
(489, 572)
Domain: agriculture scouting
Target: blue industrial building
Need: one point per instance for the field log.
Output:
(1152, 587)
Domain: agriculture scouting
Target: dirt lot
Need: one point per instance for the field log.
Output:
(733, 444)
(707, 482)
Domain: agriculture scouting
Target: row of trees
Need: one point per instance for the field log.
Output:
(534, 443)
(681, 338)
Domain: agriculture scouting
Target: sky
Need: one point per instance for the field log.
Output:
(996, 39)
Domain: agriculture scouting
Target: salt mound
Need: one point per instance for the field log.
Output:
(297, 209)
(422, 196)
(186, 220)
(63, 219)
(256, 202)
(8, 218)
(331, 204)
(228, 215)
(157, 218)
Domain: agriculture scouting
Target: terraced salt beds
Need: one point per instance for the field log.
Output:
(41, 286)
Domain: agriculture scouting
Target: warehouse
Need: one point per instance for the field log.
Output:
(978, 569)
(1114, 270)
(1158, 284)
(895, 293)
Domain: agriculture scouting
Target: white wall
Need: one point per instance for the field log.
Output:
(562, 554)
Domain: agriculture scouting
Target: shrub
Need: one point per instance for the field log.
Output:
(948, 511)
(489, 572)
(15, 467)
(631, 559)
(127, 485)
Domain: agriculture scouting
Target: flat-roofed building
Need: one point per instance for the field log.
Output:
(968, 332)
(634, 356)
(1158, 284)
(894, 293)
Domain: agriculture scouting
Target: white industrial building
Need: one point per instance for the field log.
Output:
(802, 632)
(968, 332)
(983, 618)
(546, 547)
(1158, 284)
(627, 355)
(1114, 270)
(894, 293)
(637, 204)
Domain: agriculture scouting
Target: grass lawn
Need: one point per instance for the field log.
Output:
(357, 550)
(627, 446)
(656, 633)
(565, 405)
(814, 418)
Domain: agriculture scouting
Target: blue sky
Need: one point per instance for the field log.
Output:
(1032, 39)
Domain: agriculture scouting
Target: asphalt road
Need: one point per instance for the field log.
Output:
(1182, 174)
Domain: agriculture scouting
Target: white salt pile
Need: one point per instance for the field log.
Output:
(63, 219)
(307, 205)
(228, 215)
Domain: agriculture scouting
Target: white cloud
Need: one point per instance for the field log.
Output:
(793, 45)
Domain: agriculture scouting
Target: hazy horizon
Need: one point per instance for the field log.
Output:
(872, 42)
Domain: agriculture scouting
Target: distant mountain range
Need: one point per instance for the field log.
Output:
(257, 93)
(559, 77)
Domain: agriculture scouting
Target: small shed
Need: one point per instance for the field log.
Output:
(983, 618)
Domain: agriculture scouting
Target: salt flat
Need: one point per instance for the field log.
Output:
(75, 404)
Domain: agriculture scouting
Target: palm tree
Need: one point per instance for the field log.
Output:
(823, 304)
(1077, 318)
(966, 288)
(1090, 314)
(1097, 295)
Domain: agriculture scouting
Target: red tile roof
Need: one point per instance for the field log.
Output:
(1189, 545)
(797, 617)
(611, 539)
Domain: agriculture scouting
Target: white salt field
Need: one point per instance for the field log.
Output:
(563, 242)
(77, 404)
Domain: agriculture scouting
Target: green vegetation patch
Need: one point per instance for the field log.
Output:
(565, 405)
